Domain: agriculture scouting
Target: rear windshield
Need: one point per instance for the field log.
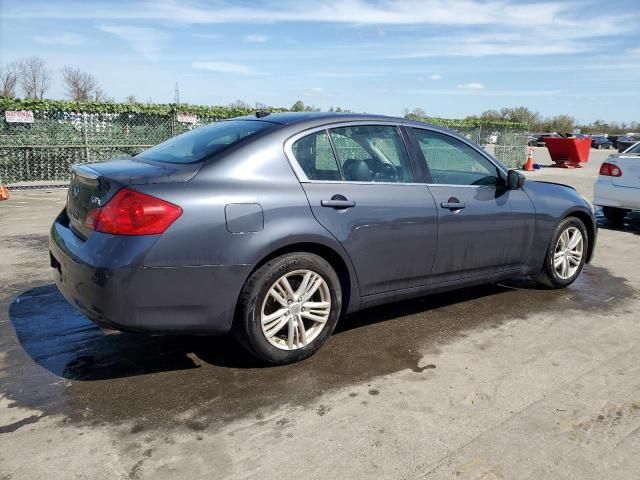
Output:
(634, 149)
(196, 145)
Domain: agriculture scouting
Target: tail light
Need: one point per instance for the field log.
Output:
(610, 170)
(132, 213)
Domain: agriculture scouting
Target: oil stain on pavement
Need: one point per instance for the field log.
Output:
(58, 362)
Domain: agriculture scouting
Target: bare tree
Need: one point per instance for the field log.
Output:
(131, 99)
(100, 96)
(80, 86)
(240, 104)
(8, 80)
(34, 77)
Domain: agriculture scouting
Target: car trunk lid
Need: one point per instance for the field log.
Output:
(629, 164)
(93, 185)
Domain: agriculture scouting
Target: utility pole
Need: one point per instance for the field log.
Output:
(176, 98)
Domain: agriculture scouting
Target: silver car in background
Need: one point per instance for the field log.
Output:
(617, 189)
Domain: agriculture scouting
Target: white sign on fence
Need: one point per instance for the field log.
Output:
(187, 117)
(23, 116)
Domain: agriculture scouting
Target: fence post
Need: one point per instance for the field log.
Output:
(85, 137)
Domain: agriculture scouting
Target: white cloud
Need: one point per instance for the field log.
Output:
(559, 27)
(224, 67)
(435, 77)
(254, 38)
(315, 92)
(343, 74)
(471, 86)
(207, 36)
(490, 93)
(388, 12)
(144, 40)
(64, 39)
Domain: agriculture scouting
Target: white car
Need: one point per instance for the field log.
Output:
(617, 189)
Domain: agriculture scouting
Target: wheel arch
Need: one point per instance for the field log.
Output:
(346, 275)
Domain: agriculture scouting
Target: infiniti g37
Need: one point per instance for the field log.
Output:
(274, 227)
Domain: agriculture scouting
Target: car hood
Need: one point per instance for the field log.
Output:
(551, 183)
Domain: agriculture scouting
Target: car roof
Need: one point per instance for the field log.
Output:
(321, 118)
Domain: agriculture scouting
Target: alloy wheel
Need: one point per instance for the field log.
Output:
(295, 309)
(568, 253)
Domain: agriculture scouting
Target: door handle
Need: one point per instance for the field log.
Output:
(453, 205)
(338, 204)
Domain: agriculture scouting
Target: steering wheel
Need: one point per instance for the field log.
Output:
(487, 180)
(385, 171)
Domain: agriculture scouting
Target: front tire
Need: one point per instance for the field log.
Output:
(566, 254)
(613, 214)
(288, 308)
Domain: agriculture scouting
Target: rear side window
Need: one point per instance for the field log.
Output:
(372, 153)
(199, 144)
(315, 156)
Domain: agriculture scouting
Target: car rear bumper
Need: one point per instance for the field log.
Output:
(605, 194)
(105, 278)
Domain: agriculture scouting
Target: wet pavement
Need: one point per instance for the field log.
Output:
(401, 391)
(120, 376)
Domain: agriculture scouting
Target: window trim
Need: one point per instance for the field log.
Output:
(302, 176)
(502, 172)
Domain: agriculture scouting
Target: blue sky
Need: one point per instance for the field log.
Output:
(450, 57)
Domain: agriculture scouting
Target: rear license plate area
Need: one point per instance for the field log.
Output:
(55, 263)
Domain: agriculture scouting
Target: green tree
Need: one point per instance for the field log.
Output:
(560, 123)
(415, 114)
(298, 106)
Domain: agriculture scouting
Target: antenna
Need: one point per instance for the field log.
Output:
(176, 98)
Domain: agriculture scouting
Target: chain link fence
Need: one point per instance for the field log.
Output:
(45, 149)
(509, 145)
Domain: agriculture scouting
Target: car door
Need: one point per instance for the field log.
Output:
(360, 185)
(483, 228)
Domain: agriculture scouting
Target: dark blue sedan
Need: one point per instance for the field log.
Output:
(600, 142)
(275, 226)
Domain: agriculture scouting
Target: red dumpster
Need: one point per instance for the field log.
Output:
(568, 152)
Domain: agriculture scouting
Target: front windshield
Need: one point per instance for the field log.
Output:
(201, 143)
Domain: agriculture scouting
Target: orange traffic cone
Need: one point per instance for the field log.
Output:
(4, 193)
(528, 166)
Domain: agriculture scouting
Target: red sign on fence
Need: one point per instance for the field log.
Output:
(18, 117)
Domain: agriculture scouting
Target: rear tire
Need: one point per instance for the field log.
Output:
(566, 254)
(613, 214)
(288, 308)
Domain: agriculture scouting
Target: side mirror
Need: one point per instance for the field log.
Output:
(515, 180)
